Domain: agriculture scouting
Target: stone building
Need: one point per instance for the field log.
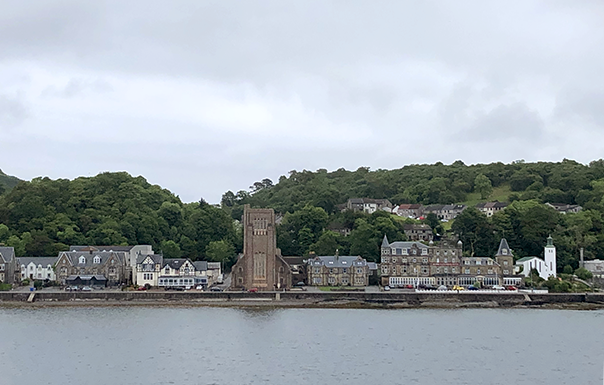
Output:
(9, 271)
(414, 263)
(90, 261)
(338, 271)
(418, 232)
(368, 205)
(261, 265)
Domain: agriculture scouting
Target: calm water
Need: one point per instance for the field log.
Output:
(299, 346)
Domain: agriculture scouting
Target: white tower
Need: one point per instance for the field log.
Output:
(550, 257)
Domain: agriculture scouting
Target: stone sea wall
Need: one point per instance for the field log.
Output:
(320, 299)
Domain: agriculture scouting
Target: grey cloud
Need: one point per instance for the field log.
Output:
(12, 111)
(228, 93)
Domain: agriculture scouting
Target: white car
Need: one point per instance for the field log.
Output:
(386, 288)
(498, 287)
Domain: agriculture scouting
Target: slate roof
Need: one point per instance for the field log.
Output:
(157, 258)
(101, 248)
(7, 253)
(503, 245)
(339, 261)
(385, 241)
(87, 277)
(407, 245)
(417, 226)
(175, 263)
(201, 265)
(74, 257)
(44, 261)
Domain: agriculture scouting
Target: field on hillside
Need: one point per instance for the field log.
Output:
(500, 193)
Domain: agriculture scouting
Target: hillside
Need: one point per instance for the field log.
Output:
(7, 182)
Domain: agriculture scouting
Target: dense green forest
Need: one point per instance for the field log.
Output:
(526, 223)
(7, 182)
(45, 216)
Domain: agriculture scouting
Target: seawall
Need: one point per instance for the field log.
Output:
(309, 299)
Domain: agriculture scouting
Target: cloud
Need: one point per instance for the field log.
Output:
(227, 95)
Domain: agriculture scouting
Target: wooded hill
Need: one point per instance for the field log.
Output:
(7, 182)
(44, 216)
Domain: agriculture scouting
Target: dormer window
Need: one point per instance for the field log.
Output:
(96, 260)
(82, 260)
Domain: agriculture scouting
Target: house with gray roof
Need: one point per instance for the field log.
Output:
(368, 205)
(91, 261)
(338, 270)
(37, 268)
(182, 272)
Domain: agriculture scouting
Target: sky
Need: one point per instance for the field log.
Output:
(202, 97)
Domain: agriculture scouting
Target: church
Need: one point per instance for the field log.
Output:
(261, 265)
(546, 268)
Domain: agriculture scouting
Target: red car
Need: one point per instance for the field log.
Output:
(253, 290)
(511, 288)
(408, 286)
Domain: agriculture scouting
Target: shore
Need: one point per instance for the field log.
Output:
(331, 300)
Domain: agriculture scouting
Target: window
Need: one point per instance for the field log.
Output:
(438, 270)
(344, 281)
(446, 269)
(478, 261)
(490, 271)
(425, 260)
(414, 260)
(97, 260)
(317, 270)
(438, 260)
(82, 260)
(331, 271)
(394, 260)
(331, 280)
(477, 271)
(424, 270)
(399, 251)
(490, 262)
(404, 269)
(467, 271)
(505, 263)
(393, 270)
(316, 281)
(359, 271)
(506, 272)
(344, 270)
(446, 260)
(404, 260)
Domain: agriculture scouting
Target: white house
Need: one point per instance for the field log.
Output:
(38, 268)
(148, 269)
(596, 267)
(181, 272)
(546, 268)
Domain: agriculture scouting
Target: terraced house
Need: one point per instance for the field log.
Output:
(338, 271)
(109, 267)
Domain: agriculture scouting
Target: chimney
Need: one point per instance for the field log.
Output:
(581, 262)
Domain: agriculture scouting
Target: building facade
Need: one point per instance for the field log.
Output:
(37, 268)
(415, 263)
(337, 271)
(545, 267)
(148, 269)
(9, 271)
(261, 265)
(409, 210)
(418, 232)
(89, 261)
(368, 205)
(182, 273)
(490, 208)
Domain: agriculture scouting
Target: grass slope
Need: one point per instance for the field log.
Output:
(500, 193)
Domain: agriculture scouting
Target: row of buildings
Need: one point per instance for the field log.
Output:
(108, 266)
(443, 212)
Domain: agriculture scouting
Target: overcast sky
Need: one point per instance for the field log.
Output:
(202, 97)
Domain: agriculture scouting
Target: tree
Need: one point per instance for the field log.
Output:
(475, 232)
(221, 251)
(583, 273)
(327, 244)
(170, 249)
(483, 185)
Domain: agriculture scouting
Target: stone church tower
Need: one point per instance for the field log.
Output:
(261, 266)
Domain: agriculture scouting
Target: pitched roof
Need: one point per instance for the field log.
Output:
(407, 245)
(44, 261)
(157, 258)
(526, 259)
(201, 265)
(339, 261)
(7, 253)
(88, 257)
(385, 241)
(176, 263)
(504, 249)
(101, 248)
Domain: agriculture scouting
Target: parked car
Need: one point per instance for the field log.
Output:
(442, 288)
(215, 288)
(199, 287)
(71, 288)
(429, 287)
(498, 287)
(253, 290)
(510, 287)
(472, 288)
(458, 288)
(141, 288)
(386, 288)
(408, 286)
